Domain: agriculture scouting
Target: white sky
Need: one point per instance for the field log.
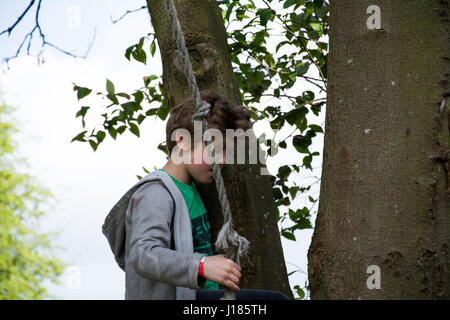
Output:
(86, 184)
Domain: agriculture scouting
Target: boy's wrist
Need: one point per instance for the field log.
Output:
(201, 275)
(201, 271)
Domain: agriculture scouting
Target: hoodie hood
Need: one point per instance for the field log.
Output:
(114, 226)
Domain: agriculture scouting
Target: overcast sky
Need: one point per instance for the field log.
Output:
(87, 184)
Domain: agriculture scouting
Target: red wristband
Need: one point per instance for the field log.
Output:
(201, 272)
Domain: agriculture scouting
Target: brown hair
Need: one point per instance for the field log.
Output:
(223, 115)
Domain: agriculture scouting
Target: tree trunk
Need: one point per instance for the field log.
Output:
(385, 192)
(249, 193)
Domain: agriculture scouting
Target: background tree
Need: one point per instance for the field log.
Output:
(385, 192)
(26, 259)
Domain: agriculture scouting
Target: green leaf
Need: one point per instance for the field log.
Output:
(140, 118)
(293, 191)
(288, 3)
(284, 172)
(301, 143)
(302, 69)
(163, 148)
(112, 132)
(150, 78)
(264, 15)
(308, 95)
(153, 48)
(82, 92)
(121, 129)
(128, 51)
(110, 87)
(82, 111)
(151, 112)
(93, 144)
(138, 97)
(134, 128)
(316, 107)
(300, 292)
(316, 128)
(113, 98)
(277, 193)
(229, 11)
(318, 3)
(100, 136)
(288, 235)
(140, 44)
(140, 56)
(79, 137)
(123, 94)
(307, 161)
(163, 111)
(295, 116)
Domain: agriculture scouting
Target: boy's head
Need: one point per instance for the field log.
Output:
(181, 141)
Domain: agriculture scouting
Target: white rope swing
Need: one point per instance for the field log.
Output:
(228, 239)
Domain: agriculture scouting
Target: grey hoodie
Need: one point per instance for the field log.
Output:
(149, 231)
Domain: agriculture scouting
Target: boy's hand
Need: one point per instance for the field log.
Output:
(222, 270)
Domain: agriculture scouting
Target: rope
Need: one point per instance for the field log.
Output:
(228, 239)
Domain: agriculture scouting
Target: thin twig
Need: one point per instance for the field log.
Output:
(37, 27)
(126, 13)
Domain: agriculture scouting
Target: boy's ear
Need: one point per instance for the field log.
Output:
(183, 141)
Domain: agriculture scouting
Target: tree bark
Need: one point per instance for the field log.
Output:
(385, 190)
(249, 193)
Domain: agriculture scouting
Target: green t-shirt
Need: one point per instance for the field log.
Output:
(199, 223)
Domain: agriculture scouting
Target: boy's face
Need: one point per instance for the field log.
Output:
(202, 172)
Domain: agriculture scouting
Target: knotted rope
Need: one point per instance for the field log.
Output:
(228, 239)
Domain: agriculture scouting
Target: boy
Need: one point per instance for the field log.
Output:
(159, 230)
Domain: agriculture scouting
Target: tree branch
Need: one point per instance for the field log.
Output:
(29, 36)
(126, 13)
(10, 29)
